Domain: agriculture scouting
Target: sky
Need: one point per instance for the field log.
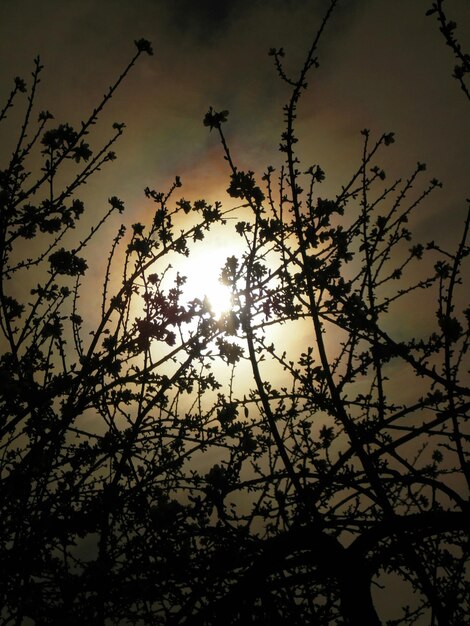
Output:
(383, 65)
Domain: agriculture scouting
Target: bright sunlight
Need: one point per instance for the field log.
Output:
(203, 280)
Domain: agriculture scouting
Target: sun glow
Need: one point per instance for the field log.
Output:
(203, 283)
(219, 298)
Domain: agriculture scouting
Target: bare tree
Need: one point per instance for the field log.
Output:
(138, 486)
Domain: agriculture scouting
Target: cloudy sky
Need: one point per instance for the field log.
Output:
(383, 65)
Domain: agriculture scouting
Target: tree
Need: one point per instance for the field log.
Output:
(140, 488)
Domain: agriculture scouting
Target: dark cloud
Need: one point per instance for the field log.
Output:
(208, 19)
(204, 18)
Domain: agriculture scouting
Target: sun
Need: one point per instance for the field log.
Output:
(202, 280)
(203, 283)
(219, 298)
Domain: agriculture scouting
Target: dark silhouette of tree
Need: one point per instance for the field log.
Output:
(139, 487)
(447, 28)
